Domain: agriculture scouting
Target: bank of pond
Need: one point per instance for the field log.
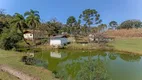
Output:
(89, 65)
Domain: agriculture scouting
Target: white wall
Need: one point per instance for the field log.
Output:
(59, 42)
(28, 36)
(54, 42)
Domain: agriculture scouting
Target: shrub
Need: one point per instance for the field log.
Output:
(9, 38)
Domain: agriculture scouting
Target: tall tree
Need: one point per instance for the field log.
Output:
(90, 17)
(33, 20)
(19, 22)
(71, 23)
(52, 27)
(2, 11)
(113, 24)
(5, 20)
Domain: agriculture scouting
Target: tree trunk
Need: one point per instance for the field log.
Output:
(34, 41)
(23, 36)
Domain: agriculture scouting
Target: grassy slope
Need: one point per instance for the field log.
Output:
(133, 45)
(13, 59)
(6, 76)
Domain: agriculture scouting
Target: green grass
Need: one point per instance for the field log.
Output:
(78, 46)
(6, 76)
(13, 59)
(133, 45)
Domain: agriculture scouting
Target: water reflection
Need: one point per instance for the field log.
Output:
(87, 65)
(130, 57)
(55, 54)
(91, 69)
(112, 56)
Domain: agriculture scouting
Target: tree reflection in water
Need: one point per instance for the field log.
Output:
(86, 65)
(130, 57)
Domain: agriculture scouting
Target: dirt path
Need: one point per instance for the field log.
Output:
(16, 73)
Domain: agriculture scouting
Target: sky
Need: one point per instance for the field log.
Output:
(118, 10)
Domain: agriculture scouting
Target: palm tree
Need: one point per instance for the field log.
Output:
(33, 20)
(20, 24)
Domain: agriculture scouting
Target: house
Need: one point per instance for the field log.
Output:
(58, 41)
(28, 35)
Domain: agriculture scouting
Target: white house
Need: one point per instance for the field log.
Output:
(58, 41)
(28, 35)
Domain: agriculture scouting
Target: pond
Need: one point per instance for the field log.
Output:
(92, 65)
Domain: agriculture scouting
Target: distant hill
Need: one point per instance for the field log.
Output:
(125, 33)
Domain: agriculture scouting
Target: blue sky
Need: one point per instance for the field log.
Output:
(118, 10)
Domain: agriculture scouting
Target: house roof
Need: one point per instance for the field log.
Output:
(37, 33)
(31, 31)
(58, 36)
(27, 32)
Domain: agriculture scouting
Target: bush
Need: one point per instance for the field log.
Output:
(30, 61)
(9, 38)
(33, 61)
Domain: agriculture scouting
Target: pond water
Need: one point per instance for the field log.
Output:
(92, 65)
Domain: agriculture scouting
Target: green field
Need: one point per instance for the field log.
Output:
(6, 76)
(12, 59)
(133, 45)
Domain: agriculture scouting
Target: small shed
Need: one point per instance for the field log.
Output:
(59, 40)
(28, 35)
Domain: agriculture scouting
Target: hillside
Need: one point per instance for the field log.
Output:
(125, 33)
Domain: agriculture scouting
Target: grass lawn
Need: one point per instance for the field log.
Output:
(12, 59)
(78, 46)
(133, 45)
(6, 76)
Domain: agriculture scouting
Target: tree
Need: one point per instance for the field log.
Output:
(90, 17)
(9, 38)
(71, 23)
(20, 24)
(101, 27)
(2, 11)
(1, 26)
(33, 20)
(113, 24)
(4, 20)
(52, 27)
(128, 24)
